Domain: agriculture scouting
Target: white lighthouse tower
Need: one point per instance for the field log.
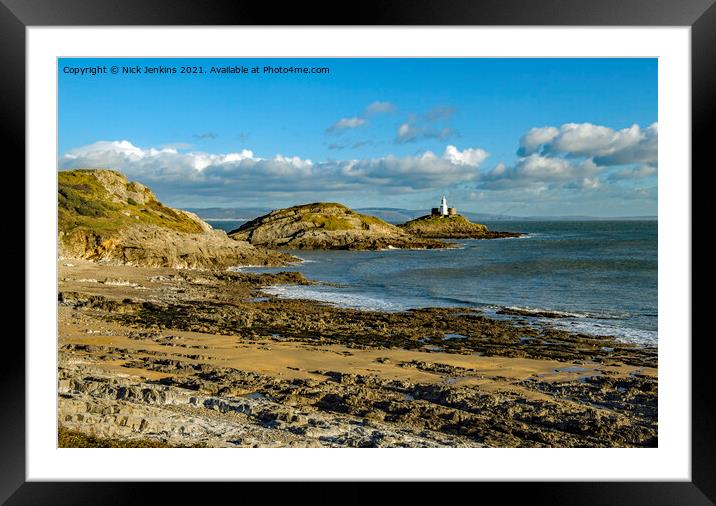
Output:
(443, 207)
(443, 210)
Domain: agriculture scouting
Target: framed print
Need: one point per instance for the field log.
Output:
(432, 245)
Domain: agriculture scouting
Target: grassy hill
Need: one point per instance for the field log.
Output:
(104, 201)
(104, 217)
(452, 227)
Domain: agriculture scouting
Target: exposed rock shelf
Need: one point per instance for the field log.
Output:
(186, 358)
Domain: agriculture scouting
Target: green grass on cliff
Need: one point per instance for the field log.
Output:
(317, 206)
(328, 222)
(430, 223)
(326, 215)
(441, 220)
(84, 202)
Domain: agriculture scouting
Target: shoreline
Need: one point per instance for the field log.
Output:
(188, 347)
(521, 315)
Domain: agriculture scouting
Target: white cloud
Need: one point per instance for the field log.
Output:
(536, 138)
(535, 170)
(124, 148)
(372, 109)
(410, 131)
(123, 153)
(572, 160)
(240, 174)
(424, 126)
(542, 168)
(591, 183)
(407, 132)
(379, 107)
(345, 124)
(469, 156)
(422, 172)
(644, 151)
(577, 156)
(584, 140)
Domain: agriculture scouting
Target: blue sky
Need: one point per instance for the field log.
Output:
(515, 136)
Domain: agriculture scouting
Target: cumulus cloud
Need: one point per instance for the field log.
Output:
(643, 150)
(535, 169)
(245, 174)
(420, 172)
(533, 140)
(469, 156)
(344, 124)
(124, 153)
(579, 156)
(606, 146)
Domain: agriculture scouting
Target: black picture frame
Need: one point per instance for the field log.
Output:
(17, 15)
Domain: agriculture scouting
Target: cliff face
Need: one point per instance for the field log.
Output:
(327, 226)
(104, 217)
(451, 227)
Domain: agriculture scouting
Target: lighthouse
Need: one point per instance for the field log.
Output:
(443, 207)
(443, 210)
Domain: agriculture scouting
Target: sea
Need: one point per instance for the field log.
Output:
(600, 275)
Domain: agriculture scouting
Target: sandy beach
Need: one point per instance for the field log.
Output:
(206, 358)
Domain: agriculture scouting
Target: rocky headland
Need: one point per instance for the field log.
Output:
(452, 227)
(104, 217)
(328, 226)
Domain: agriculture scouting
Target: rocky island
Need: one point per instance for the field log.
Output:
(327, 225)
(444, 223)
(452, 227)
